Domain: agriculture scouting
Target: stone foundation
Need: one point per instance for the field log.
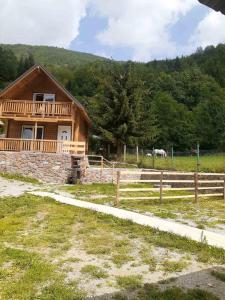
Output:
(106, 175)
(46, 167)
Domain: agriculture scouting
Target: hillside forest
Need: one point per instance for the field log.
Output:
(168, 103)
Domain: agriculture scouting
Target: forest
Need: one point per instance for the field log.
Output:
(168, 103)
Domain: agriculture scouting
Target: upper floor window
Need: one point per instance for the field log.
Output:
(44, 97)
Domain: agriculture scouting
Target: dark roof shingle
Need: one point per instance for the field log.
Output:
(218, 5)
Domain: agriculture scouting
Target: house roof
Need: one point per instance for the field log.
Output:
(55, 81)
(218, 5)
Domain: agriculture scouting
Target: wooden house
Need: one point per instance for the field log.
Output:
(39, 114)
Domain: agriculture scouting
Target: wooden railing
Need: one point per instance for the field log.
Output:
(47, 146)
(198, 183)
(35, 108)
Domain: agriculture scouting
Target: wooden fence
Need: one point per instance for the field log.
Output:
(47, 146)
(196, 182)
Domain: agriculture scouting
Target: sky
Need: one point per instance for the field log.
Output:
(139, 30)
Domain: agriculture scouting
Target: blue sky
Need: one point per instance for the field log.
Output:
(91, 25)
(140, 30)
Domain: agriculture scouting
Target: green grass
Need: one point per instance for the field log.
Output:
(129, 282)
(208, 163)
(152, 292)
(20, 178)
(37, 235)
(94, 271)
(185, 210)
(219, 275)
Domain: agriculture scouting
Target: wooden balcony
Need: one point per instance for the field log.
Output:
(45, 146)
(35, 109)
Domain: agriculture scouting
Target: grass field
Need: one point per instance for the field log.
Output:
(54, 251)
(207, 163)
(209, 213)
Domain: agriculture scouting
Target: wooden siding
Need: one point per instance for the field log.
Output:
(50, 129)
(18, 114)
(39, 83)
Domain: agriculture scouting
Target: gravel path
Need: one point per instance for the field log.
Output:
(199, 235)
(14, 188)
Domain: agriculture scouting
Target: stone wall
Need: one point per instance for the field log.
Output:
(106, 175)
(46, 167)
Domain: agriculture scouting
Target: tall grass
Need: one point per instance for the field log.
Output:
(207, 163)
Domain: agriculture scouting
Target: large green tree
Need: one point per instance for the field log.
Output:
(210, 123)
(175, 123)
(123, 113)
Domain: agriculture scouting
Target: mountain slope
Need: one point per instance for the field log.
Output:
(53, 56)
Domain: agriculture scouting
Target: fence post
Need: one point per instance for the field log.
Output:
(161, 187)
(172, 157)
(117, 189)
(196, 186)
(198, 157)
(124, 152)
(137, 153)
(113, 166)
(224, 190)
(102, 165)
(153, 158)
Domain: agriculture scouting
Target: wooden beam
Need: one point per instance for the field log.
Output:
(77, 127)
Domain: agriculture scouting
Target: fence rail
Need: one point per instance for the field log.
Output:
(47, 146)
(198, 182)
(35, 108)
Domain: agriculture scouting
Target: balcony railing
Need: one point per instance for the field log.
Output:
(35, 108)
(46, 146)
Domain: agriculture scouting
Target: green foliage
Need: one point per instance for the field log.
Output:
(122, 116)
(162, 104)
(53, 55)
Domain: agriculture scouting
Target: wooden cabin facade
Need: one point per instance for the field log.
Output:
(40, 115)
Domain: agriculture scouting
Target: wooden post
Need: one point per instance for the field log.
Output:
(198, 157)
(196, 186)
(153, 158)
(102, 166)
(137, 153)
(113, 166)
(161, 187)
(35, 131)
(124, 152)
(117, 188)
(224, 190)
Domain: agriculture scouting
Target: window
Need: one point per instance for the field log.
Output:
(42, 97)
(28, 132)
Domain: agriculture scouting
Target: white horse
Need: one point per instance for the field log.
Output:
(159, 152)
(149, 155)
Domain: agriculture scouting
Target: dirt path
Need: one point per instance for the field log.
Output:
(14, 188)
(199, 235)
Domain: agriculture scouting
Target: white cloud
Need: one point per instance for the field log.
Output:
(210, 31)
(41, 22)
(142, 25)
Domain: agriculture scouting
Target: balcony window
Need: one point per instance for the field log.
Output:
(42, 97)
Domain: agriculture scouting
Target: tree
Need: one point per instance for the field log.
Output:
(8, 66)
(25, 63)
(123, 115)
(210, 123)
(175, 123)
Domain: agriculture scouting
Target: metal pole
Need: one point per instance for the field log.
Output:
(137, 154)
(124, 152)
